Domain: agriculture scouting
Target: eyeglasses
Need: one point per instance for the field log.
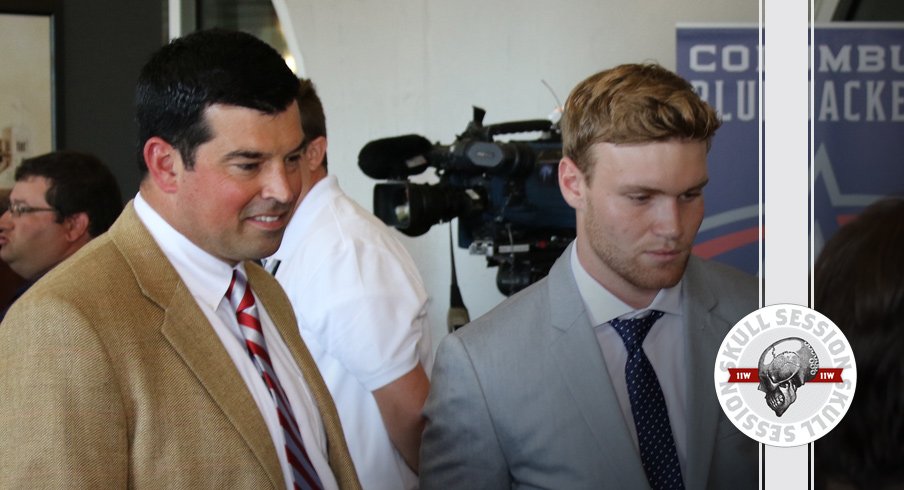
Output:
(18, 209)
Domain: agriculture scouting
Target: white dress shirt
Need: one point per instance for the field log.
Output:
(663, 346)
(208, 278)
(362, 311)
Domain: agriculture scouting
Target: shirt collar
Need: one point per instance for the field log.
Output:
(206, 276)
(603, 306)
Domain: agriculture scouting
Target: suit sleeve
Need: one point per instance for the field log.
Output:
(460, 448)
(62, 423)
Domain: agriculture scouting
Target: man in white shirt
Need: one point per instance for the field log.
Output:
(361, 308)
(600, 375)
(157, 356)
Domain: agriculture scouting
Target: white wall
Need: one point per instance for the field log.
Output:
(386, 68)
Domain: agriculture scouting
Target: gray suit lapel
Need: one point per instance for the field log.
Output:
(193, 338)
(576, 351)
(703, 338)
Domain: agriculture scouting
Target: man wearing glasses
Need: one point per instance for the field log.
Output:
(60, 201)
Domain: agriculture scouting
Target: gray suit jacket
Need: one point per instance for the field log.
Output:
(522, 398)
(112, 377)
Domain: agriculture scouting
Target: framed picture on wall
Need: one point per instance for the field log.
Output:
(28, 100)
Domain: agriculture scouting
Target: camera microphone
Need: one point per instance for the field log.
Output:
(396, 157)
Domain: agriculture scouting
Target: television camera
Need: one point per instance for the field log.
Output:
(505, 194)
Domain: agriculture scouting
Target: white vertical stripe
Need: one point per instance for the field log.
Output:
(174, 12)
(786, 100)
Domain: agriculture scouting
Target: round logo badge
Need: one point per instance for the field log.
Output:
(785, 375)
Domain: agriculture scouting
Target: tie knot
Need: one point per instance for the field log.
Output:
(236, 292)
(634, 330)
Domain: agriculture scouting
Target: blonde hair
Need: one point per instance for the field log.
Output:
(629, 104)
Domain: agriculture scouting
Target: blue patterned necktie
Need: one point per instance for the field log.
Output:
(651, 418)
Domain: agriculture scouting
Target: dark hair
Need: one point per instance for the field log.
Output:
(185, 77)
(859, 285)
(632, 103)
(78, 183)
(313, 119)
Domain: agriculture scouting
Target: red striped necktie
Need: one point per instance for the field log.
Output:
(242, 301)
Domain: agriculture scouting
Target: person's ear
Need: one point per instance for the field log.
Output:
(164, 163)
(572, 183)
(314, 153)
(76, 226)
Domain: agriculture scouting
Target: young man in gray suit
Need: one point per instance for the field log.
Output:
(600, 375)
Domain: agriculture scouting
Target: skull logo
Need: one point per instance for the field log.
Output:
(784, 367)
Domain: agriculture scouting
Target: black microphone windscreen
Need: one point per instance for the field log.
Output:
(396, 157)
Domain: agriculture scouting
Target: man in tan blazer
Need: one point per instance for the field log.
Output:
(126, 366)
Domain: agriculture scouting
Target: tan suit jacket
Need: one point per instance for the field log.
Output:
(112, 377)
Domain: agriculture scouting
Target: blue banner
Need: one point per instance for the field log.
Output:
(858, 110)
(721, 64)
